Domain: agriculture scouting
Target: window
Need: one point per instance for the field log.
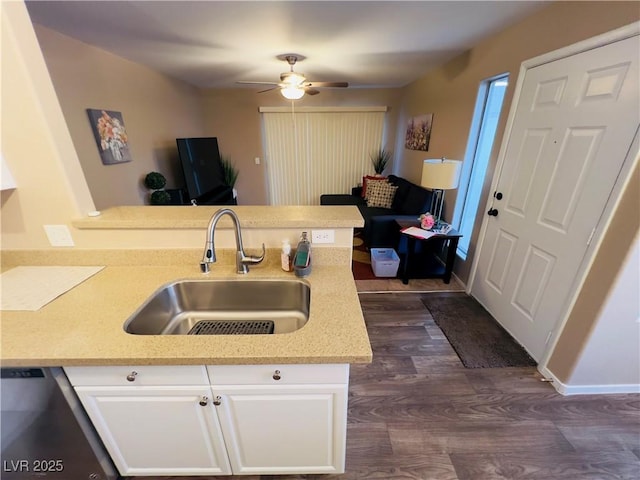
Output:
(318, 150)
(481, 137)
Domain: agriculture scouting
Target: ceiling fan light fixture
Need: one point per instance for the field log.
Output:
(293, 79)
(294, 85)
(292, 92)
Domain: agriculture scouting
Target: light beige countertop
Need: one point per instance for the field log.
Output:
(251, 216)
(85, 325)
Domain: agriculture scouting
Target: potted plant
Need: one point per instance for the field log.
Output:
(230, 173)
(379, 159)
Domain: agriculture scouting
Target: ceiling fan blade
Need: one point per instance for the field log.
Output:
(311, 91)
(257, 83)
(327, 84)
(268, 89)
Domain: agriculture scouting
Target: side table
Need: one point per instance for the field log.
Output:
(451, 241)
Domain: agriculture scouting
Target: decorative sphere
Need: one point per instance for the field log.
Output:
(155, 181)
(160, 197)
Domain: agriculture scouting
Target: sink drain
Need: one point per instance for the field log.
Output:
(239, 327)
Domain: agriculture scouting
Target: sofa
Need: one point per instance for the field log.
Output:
(380, 228)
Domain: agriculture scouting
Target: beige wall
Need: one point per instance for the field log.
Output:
(156, 110)
(50, 185)
(232, 116)
(450, 92)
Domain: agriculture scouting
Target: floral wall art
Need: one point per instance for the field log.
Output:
(419, 132)
(111, 136)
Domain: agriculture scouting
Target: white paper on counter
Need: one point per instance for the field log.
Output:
(31, 288)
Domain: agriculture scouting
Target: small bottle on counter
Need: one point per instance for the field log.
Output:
(285, 256)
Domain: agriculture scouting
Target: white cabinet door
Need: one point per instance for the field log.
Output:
(281, 429)
(158, 430)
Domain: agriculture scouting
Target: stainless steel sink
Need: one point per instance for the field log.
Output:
(180, 307)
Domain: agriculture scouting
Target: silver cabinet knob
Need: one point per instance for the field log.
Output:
(132, 376)
(204, 401)
(217, 401)
(276, 375)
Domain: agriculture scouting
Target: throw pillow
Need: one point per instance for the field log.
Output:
(370, 180)
(380, 194)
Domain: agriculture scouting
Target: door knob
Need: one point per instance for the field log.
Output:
(497, 195)
(204, 400)
(276, 375)
(217, 401)
(493, 212)
(132, 376)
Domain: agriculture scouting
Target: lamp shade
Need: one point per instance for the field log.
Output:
(292, 93)
(441, 174)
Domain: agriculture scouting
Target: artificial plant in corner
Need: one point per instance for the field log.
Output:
(230, 172)
(380, 158)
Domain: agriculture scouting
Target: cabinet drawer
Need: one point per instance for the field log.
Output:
(287, 374)
(138, 375)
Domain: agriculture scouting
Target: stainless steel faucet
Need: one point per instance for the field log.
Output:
(242, 259)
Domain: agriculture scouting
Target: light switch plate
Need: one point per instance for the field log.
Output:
(59, 235)
(323, 236)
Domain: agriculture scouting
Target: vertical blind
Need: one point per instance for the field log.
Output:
(314, 151)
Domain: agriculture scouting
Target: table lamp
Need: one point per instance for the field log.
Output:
(439, 175)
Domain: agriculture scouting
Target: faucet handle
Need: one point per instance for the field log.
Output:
(253, 259)
(243, 260)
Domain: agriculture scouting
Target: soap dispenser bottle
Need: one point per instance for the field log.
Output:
(285, 256)
(302, 258)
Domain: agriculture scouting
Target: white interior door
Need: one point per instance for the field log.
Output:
(574, 122)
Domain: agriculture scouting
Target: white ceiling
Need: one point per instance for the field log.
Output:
(216, 43)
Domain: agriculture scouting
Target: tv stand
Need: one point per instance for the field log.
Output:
(222, 195)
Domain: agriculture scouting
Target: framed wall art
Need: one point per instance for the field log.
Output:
(111, 136)
(419, 132)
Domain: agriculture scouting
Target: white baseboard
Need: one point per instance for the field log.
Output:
(564, 389)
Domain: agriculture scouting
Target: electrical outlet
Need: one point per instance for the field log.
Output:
(59, 235)
(323, 236)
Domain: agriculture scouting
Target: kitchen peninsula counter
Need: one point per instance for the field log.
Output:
(251, 216)
(85, 325)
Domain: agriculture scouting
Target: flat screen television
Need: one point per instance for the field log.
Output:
(202, 168)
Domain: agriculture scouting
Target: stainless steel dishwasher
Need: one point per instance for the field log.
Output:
(45, 431)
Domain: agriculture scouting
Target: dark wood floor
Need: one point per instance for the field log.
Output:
(416, 413)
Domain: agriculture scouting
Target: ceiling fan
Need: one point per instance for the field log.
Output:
(294, 85)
